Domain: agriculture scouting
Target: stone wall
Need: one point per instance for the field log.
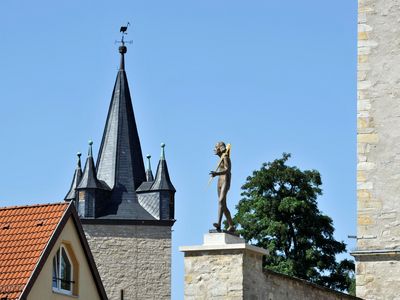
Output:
(378, 147)
(236, 275)
(378, 278)
(132, 258)
(281, 287)
(214, 275)
(233, 270)
(378, 170)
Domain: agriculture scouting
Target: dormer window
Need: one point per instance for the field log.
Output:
(62, 272)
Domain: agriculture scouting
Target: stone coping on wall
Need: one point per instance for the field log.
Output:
(376, 254)
(223, 241)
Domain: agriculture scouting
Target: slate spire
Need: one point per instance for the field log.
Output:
(118, 187)
(120, 162)
(162, 180)
(71, 195)
(149, 173)
(89, 179)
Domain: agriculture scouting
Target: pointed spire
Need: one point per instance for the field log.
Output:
(162, 180)
(89, 178)
(120, 159)
(71, 195)
(149, 173)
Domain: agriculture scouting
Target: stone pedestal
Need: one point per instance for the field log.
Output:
(222, 268)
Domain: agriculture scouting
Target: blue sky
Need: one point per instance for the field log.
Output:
(266, 76)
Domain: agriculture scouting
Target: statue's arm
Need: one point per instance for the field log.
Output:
(225, 167)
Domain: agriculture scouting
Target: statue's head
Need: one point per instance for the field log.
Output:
(219, 148)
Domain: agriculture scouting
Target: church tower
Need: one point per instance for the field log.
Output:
(378, 150)
(126, 212)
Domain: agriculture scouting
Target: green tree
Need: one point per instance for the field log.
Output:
(279, 212)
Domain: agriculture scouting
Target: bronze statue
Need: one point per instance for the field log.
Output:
(223, 170)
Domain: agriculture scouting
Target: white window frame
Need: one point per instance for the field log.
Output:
(59, 289)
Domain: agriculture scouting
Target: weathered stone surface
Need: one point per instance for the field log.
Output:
(378, 278)
(236, 273)
(209, 275)
(378, 147)
(133, 258)
(281, 287)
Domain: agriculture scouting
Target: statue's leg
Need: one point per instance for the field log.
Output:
(228, 218)
(224, 207)
(220, 204)
(220, 210)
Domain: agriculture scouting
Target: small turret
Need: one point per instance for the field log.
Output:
(89, 178)
(89, 188)
(162, 182)
(72, 193)
(163, 185)
(158, 196)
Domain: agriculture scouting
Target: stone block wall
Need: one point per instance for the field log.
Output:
(236, 275)
(282, 287)
(233, 270)
(378, 278)
(378, 122)
(378, 148)
(214, 275)
(132, 258)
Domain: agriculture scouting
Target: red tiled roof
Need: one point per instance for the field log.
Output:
(24, 233)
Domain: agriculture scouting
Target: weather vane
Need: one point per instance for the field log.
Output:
(123, 30)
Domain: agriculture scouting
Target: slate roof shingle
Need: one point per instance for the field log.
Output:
(120, 160)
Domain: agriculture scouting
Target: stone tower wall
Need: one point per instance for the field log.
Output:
(133, 258)
(378, 149)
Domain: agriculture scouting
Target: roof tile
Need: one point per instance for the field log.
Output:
(23, 242)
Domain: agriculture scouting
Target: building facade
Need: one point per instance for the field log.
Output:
(378, 150)
(126, 212)
(44, 255)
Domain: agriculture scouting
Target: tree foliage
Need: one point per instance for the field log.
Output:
(279, 212)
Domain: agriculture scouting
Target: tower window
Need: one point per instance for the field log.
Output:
(62, 272)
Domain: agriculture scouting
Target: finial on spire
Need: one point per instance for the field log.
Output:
(148, 156)
(72, 195)
(90, 152)
(162, 151)
(79, 159)
(149, 173)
